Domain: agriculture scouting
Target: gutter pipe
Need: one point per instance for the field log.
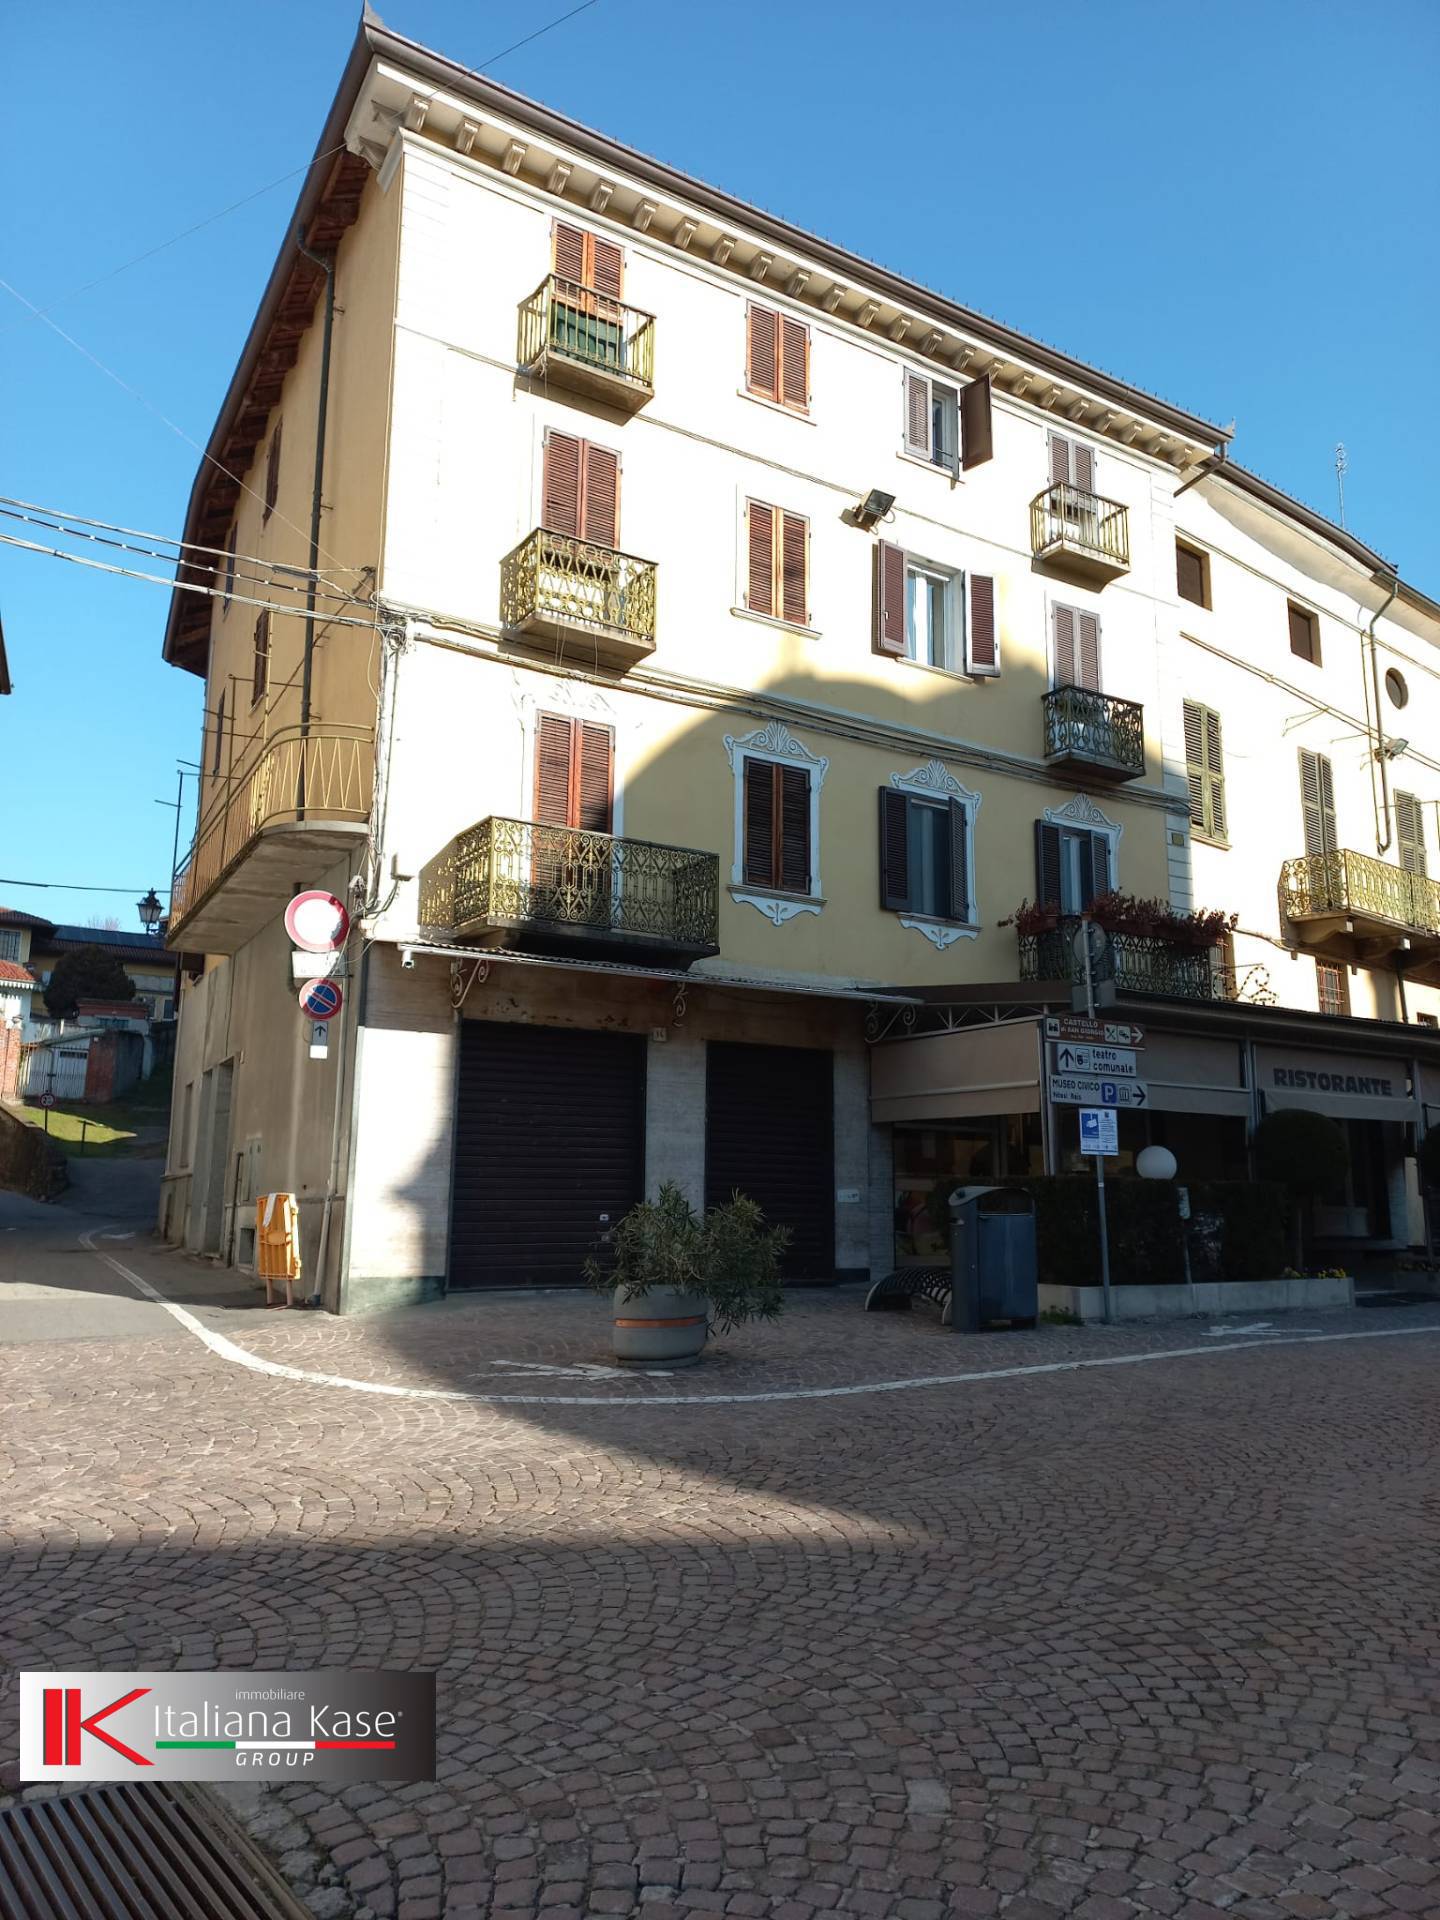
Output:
(326, 263)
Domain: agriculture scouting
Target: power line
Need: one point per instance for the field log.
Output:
(504, 51)
(64, 886)
(170, 540)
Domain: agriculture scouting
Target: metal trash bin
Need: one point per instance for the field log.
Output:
(994, 1273)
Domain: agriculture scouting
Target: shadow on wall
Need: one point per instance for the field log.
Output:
(29, 1162)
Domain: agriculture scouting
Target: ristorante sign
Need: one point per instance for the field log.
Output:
(1369, 1086)
(333, 1724)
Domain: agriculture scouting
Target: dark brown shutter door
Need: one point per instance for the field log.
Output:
(894, 850)
(560, 489)
(977, 432)
(600, 496)
(1195, 762)
(760, 572)
(1099, 866)
(1302, 634)
(795, 829)
(609, 267)
(763, 355)
(1064, 622)
(272, 472)
(569, 252)
(596, 781)
(1047, 864)
(794, 363)
(1059, 459)
(759, 862)
(889, 630)
(1087, 629)
(959, 864)
(1215, 773)
(917, 415)
(794, 554)
(553, 737)
(261, 672)
(1084, 468)
(983, 656)
(1189, 575)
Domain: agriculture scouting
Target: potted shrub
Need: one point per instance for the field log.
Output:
(675, 1276)
(1304, 1152)
(1030, 918)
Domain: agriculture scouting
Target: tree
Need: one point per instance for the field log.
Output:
(1429, 1158)
(86, 973)
(1307, 1154)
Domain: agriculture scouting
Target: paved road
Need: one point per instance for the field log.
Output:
(1150, 1636)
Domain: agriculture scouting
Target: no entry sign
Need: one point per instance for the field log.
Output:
(320, 999)
(317, 922)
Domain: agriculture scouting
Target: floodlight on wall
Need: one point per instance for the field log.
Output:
(873, 507)
(1392, 749)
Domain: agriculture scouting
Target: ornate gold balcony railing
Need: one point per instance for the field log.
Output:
(555, 585)
(587, 339)
(323, 775)
(1322, 885)
(1067, 523)
(1084, 728)
(504, 878)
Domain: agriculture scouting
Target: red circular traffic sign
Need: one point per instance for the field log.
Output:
(320, 999)
(317, 922)
(46, 1100)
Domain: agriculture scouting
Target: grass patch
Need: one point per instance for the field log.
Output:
(96, 1130)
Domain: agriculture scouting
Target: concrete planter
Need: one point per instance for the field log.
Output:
(1209, 1298)
(661, 1328)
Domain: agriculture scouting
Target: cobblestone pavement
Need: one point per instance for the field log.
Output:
(1152, 1638)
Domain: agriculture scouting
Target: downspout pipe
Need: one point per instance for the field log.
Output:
(326, 263)
(1382, 825)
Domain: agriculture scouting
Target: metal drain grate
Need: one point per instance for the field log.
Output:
(135, 1853)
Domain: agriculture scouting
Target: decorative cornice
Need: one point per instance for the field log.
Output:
(935, 778)
(776, 742)
(1081, 811)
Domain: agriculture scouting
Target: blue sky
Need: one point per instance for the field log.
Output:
(1231, 205)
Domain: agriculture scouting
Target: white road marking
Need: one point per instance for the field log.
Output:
(1264, 1326)
(227, 1350)
(583, 1370)
(120, 1236)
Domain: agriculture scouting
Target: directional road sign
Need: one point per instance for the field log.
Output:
(1099, 1130)
(320, 1000)
(1089, 1090)
(1112, 1063)
(1107, 1033)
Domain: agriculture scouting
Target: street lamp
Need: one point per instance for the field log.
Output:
(150, 911)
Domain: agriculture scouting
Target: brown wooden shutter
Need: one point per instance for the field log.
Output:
(219, 734)
(1099, 866)
(1304, 640)
(760, 568)
(1084, 467)
(1215, 774)
(569, 252)
(554, 751)
(1087, 649)
(982, 653)
(1410, 833)
(759, 857)
(794, 810)
(1189, 575)
(888, 635)
(794, 565)
(1063, 619)
(794, 363)
(894, 850)
(762, 371)
(918, 421)
(260, 677)
(594, 778)
(959, 864)
(1317, 802)
(600, 495)
(977, 432)
(1059, 459)
(1047, 864)
(560, 489)
(230, 563)
(272, 473)
(607, 267)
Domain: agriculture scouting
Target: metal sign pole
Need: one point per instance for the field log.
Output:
(1099, 1158)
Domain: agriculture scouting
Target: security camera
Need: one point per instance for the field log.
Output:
(407, 956)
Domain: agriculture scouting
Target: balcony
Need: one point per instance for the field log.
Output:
(573, 337)
(1140, 963)
(516, 883)
(299, 804)
(598, 604)
(1351, 907)
(1080, 533)
(1092, 733)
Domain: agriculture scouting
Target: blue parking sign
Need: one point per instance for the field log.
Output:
(1099, 1130)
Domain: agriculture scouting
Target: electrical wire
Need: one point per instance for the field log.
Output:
(506, 51)
(167, 539)
(63, 886)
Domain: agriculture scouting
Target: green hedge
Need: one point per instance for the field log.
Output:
(1144, 1224)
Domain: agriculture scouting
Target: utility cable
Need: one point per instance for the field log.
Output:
(167, 539)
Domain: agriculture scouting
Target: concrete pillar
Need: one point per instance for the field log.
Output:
(852, 1162)
(675, 1115)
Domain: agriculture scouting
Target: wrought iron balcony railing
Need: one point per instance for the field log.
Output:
(589, 341)
(322, 775)
(1355, 885)
(562, 588)
(1089, 533)
(1134, 962)
(519, 881)
(1094, 730)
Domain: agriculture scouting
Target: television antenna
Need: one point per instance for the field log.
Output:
(1342, 467)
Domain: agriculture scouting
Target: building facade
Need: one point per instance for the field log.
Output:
(708, 645)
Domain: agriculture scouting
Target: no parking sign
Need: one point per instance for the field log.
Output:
(320, 999)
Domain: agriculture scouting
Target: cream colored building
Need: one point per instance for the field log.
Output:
(714, 641)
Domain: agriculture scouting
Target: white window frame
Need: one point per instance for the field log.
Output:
(953, 468)
(934, 782)
(956, 613)
(776, 744)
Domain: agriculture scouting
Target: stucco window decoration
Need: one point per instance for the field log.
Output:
(1082, 813)
(934, 781)
(775, 745)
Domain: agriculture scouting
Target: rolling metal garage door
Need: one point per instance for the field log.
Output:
(549, 1136)
(770, 1133)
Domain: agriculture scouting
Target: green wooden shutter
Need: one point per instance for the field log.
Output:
(1205, 769)
(1317, 802)
(1410, 833)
